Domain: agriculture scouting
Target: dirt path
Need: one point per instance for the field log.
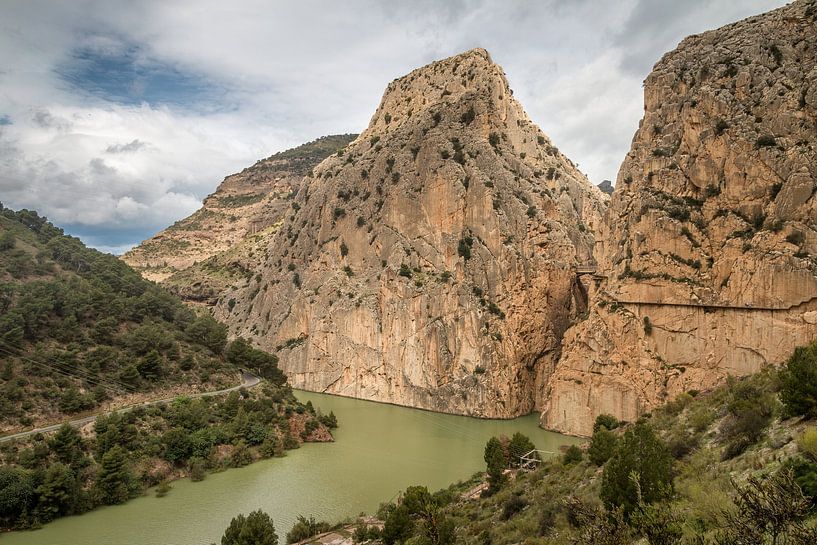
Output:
(247, 381)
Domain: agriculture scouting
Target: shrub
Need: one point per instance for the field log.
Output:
(572, 455)
(344, 249)
(304, 528)
(798, 382)
(405, 270)
(721, 126)
(464, 247)
(607, 421)
(765, 141)
(647, 325)
(795, 237)
(513, 506)
(493, 139)
(807, 443)
(749, 413)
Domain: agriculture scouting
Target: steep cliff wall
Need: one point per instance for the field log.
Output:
(708, 247)
(430, 263)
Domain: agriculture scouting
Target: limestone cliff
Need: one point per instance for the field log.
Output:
(201, 255)
(706, 256)
(431, 262)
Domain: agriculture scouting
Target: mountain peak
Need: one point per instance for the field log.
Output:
(468, 76)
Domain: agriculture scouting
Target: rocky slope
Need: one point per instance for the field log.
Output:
(706, 255)
(243, 211)
(432, 262)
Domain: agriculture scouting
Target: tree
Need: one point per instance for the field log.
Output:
(573, 455)
(304, 528)
(602, 445)
(57, 492)
(398, 526)
(254, 529)
(178, 445)
(640, 470)
(67, 444)
(798, 382)
(16, 494)
(496, 464)
(518, 447)
(115, 480)
(150, 366)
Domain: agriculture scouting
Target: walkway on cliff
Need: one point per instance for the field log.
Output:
(248, 380)
(590, 270)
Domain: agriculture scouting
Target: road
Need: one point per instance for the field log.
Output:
(247, 381)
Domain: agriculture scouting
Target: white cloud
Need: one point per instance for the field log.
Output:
(276, 74)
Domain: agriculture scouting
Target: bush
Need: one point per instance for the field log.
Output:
(807, 443)
(305, 528)
(766, 140)
(749, 413)
(798, 382)
(513, 506)
(795, 237)
(607, 421)
(572, 455)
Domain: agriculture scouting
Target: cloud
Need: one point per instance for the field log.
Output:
(119, 117)
(133, 145)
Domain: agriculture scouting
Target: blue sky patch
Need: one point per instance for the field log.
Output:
(129, 76)
(5, 120)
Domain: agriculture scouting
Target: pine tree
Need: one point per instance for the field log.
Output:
(602, 445)
(640, 470)
(496, 463)
(115, 480)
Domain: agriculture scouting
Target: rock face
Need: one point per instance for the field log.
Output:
(235, 220)
(432, 262)
(706, 256)
(606, 186)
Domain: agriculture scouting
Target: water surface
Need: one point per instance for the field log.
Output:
(379, 450)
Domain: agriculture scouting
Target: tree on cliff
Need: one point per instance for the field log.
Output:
(254, 529)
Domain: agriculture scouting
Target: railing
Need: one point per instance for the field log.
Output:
(532, 459)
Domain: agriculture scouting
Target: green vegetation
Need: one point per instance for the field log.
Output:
(305, 528)
(254, 529)
(44, 478)
(79, 327)
(672, 477)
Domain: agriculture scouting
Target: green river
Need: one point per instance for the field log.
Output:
(379, 450)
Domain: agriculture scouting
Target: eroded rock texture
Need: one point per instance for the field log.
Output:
(431, 263)
(707, 249)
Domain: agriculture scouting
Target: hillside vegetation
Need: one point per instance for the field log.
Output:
(79, 329)
(735, 466)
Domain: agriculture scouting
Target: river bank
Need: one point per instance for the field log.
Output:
(378, 450)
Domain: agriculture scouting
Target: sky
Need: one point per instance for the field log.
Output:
(118, 117)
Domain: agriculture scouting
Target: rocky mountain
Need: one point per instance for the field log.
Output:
(202, 254)
(706, 256)
(432, 262)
